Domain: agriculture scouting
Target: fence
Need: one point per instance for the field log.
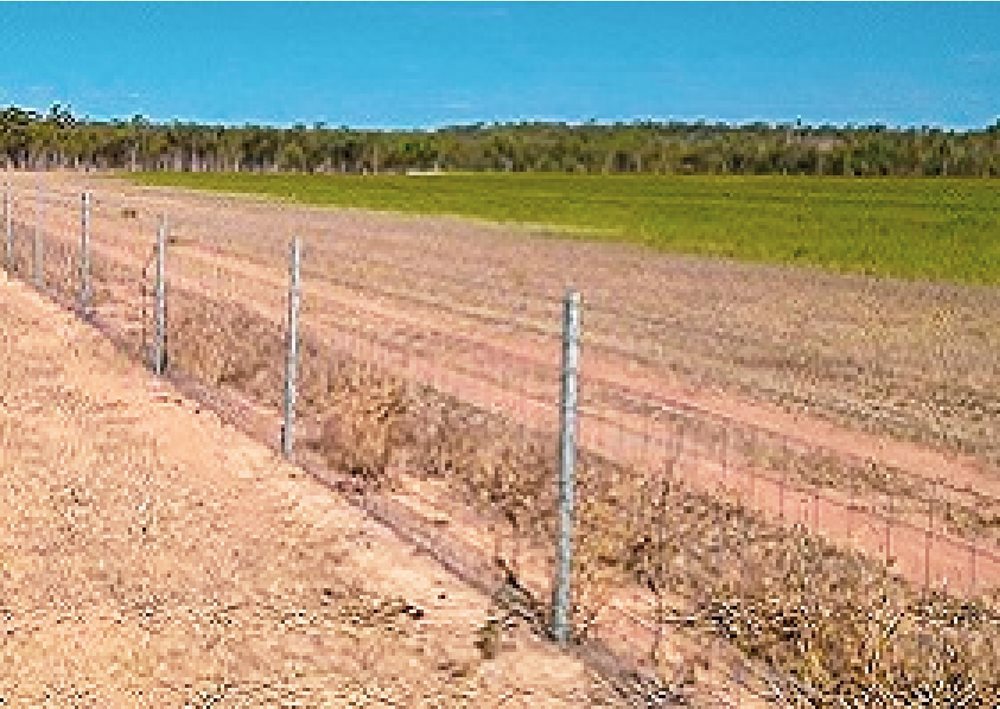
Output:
(447, 409)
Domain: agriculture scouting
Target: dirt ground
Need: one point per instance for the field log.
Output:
(472, 310)
(855, 369)
(150, 555)
(914, 360)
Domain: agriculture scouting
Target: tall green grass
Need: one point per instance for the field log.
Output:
(923, 228)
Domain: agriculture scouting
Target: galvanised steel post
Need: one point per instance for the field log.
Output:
(160, 312)
(567, 463)
(8, 215)
(85, 291)
(38, 260)
(292, 351)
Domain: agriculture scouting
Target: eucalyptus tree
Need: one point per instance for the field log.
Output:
(59, 139)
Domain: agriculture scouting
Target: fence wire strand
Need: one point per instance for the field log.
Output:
(439, 415)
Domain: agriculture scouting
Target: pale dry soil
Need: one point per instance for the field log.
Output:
(452, 296)
(824, 356)
(151, 556)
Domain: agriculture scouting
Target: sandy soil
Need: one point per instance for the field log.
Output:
(915, 360)
(471, 310)
(396, 281)
(150, 555)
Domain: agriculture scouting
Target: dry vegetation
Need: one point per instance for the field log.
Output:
(814, 623)
(869, 484)
(151, 556)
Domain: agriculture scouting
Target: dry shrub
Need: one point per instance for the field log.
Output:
(361, 429)
(834, 624)
(826, 623)
(503, 472)
(822, 624)
(623, 536)
(224, 343)
(879, 643)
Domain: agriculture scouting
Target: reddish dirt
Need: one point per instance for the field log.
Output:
(459, 347)
(151, 555)
(382, 288)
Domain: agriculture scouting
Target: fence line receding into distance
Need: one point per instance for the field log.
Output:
(537, 431)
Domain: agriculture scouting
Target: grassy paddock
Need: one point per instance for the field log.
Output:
(922, 228)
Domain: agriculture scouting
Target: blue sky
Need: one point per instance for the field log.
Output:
(394, 65)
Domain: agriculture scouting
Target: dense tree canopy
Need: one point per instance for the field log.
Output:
(29, 139)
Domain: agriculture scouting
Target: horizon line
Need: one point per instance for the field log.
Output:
(637, 120)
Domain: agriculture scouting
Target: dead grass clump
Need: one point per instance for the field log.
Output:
(502, 470)
(820, 622)
(223, 343)
(355, 413)
(361, 427)
(834, 624)
(852, 646)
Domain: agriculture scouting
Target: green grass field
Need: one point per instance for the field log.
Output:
(936, 229)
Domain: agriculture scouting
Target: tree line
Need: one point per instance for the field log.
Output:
(58, 139)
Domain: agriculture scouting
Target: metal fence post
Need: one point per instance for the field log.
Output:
(38, 258)
(8, 211)
(8, 218)
(85, 292)
(567, 462)
(292, 350)
(160, 312)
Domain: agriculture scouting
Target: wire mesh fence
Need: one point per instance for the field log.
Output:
(707, 549)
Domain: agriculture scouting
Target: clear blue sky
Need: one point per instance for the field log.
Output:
(432, 64)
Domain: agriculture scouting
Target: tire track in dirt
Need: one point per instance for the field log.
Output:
(844, 520)
(828, 374)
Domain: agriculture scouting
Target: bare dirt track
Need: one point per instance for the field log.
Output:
(913, 359)
(449, 331)
(151, 556)
(858, 365)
